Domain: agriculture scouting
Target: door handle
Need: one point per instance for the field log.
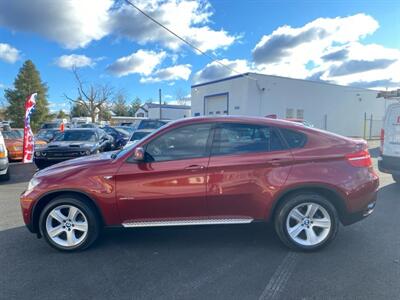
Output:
(194, 167)
(275, 162)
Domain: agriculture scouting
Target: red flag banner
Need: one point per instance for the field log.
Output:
(29, 142)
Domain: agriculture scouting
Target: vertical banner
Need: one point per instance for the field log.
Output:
(29, 142)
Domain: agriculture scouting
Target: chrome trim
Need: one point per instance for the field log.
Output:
(187, 222)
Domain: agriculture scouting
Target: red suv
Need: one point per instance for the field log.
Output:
(204, 171)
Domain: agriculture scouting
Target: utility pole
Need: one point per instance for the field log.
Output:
(159, 98)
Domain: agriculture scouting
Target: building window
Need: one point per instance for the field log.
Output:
(196, 114)
(300, 114)
(237, 107)
(225, 112)
(210, 113)
(217, 112)
(140, 115)
(289, 113)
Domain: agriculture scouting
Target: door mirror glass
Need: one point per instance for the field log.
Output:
(138, 154)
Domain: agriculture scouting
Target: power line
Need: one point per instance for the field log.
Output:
(211, 57)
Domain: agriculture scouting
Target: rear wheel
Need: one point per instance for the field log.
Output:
(69, 224)
(396, 178)
(306, 221)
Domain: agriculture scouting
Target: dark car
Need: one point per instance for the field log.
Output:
(204, 171)
(47, 135)
(120, 137)
(72, 143)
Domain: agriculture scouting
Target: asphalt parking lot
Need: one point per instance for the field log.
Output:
(210, 262)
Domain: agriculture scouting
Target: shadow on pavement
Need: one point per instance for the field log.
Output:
(375, 152)
(20, 173)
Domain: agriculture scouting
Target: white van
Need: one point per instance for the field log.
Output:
(4, 171)
(389, 162)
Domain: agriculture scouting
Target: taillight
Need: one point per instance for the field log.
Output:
(360, 159)
(382, 139)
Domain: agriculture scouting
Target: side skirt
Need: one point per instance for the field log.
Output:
(186, 222)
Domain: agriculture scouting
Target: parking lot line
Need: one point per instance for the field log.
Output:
(279, 279)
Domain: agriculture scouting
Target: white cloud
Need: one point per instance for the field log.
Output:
(8, 53)
(72, 23)
(74, 60)
(187, 18)
(76, 23)
(142, 62)
(215, 70)
(179, 72)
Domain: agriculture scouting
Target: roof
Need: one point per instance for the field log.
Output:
(248, 74)
(173, 106)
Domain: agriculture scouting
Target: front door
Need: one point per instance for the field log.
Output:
(247, 166)
(170, 185)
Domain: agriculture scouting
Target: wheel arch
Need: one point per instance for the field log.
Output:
(328, 192)
(48, 197)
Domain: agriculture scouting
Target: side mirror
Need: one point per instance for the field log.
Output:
(138, 154)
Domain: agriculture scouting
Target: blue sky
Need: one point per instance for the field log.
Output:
(344, 42)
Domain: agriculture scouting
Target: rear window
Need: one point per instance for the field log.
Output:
(293, 138)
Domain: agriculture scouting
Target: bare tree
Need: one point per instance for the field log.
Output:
(93, 97)
(180, 96)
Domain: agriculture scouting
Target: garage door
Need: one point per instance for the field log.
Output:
(216, 105)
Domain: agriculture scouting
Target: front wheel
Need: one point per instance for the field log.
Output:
(69, 224)
(306, 221)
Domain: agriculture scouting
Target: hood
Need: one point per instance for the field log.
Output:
(76, 164)
(70, 145)
(13, 142)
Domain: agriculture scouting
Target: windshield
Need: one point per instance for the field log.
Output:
(50, 125)
(77, 135)
(46, 134)
(8, 135)
(126, 129)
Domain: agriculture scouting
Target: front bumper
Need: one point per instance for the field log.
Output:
(3, 165)
(389, 164)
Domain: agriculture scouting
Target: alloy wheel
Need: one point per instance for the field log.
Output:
(308, 224)
(67, 226)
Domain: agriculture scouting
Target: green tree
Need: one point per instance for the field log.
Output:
(79, 110)
(135, 105)
(27, 82)
(119, 107)
(61, 115)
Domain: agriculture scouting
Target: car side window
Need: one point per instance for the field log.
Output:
(293, 138)
(245, 138)
(181, 143)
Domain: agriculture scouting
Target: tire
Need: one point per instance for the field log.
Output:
(71, 213)
(303, 226)
(396, 178)
(5, 177)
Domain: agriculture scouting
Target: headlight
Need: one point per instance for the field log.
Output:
(88, 152)
(32, 184)
(38, 153)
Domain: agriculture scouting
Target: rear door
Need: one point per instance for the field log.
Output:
(248, 165)
(391, 146)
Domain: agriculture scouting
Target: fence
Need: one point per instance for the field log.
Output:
(372, 126)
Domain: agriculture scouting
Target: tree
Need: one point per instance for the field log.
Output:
(135, 105)
(61, 115)
(120, 108)
(180, 96)
(27, 82)
(79, 110)
(92, 97)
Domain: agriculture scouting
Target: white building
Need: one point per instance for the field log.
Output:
(168, 111)
(340, 109)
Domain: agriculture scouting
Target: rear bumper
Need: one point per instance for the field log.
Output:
(389, 164)
(368, 209)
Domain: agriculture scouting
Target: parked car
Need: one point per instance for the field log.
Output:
(47, 135)
(72, 143)
(149, 124)
(4, 170)
(120, 138)
(14, 145)
(138, 135)
(202, 171)
(389, 161)
(128, 129)
(87, 125)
